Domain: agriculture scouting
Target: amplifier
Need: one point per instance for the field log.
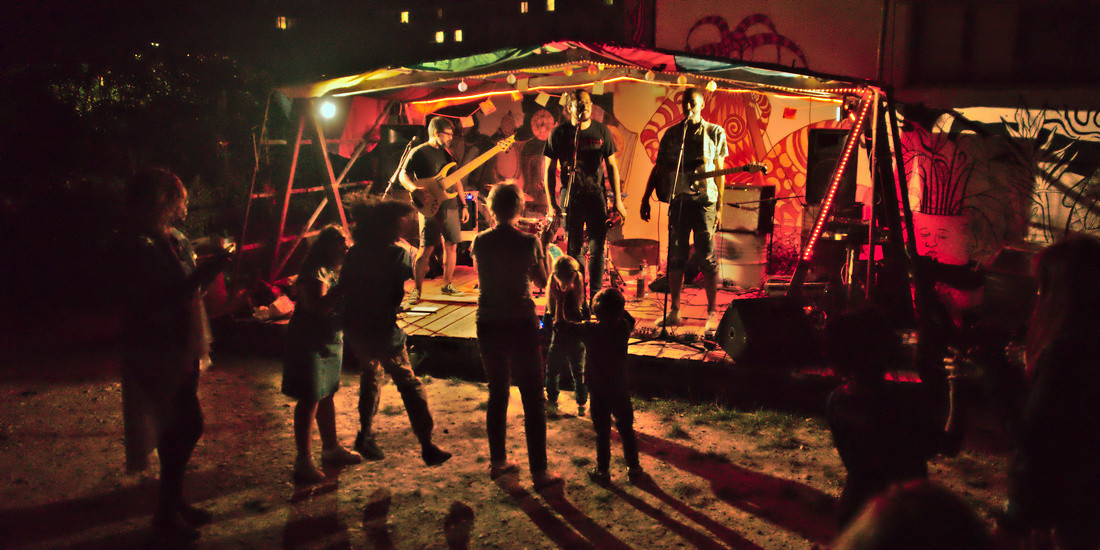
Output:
(748, 208)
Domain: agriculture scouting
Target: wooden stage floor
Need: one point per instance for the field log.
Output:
(451, 318)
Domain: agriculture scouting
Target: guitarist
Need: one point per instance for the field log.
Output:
(690, 146)
(425, 161)
(582, 151)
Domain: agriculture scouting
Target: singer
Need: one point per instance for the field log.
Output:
(690, 146)
(584, 151)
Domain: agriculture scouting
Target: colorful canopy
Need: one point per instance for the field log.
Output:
(564, 65)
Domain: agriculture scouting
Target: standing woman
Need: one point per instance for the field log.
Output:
(314, 354)
(1055, 475)
(507, 262)
(165, 336)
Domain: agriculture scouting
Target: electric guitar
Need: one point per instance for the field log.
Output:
(667, 186)
(432, 191)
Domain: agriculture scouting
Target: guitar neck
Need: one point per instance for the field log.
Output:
(723, 172)
(478, 161)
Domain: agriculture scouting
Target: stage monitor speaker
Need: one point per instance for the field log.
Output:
(748, 208)
(825, 148)
(402, 133)
(773, 332)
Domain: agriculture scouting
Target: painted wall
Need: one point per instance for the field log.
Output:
(837, 37)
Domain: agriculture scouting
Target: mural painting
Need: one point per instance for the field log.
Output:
(768, 46)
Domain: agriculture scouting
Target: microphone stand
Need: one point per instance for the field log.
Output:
(394, 178)
(663, 334)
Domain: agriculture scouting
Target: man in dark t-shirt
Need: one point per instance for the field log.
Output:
(426, 161)
(582, 153)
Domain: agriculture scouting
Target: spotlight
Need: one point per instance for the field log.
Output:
(328, 109)
(511, 79)
(650, 76)
(711, 86)
(462, 87)
(682, 80)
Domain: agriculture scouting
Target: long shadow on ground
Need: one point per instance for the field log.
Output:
(787, 504)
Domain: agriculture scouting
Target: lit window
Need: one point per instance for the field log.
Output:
(609, 2)
(549, 5)
(440, 36)
(523, 7)
(404, 17)
(458, 35)
(281, 23)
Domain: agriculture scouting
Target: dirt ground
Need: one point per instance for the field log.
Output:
(720, 478)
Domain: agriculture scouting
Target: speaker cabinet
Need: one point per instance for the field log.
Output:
(402, 133)
(748, 208)
(825, 146)
(767, 331)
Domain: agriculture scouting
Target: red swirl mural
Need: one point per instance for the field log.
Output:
(739, 44)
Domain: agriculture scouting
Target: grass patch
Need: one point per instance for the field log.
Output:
(711, 456)
(713, 413)
(705, 413)
(391, 410)
(667, 409)
(455, 381)
(581, 461)
(762, 420)
(684, 491)
(426, 379)
(783, 441)
(484, 405)
(676, 431)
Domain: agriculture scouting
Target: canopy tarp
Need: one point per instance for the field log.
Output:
(562, 65)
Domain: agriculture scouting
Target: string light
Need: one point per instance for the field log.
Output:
(570, 87)
(834, 184)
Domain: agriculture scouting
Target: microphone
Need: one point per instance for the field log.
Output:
(417, 138)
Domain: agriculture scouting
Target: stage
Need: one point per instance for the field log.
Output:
(441, 318)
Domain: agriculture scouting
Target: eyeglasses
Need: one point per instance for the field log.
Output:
(447, 133)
